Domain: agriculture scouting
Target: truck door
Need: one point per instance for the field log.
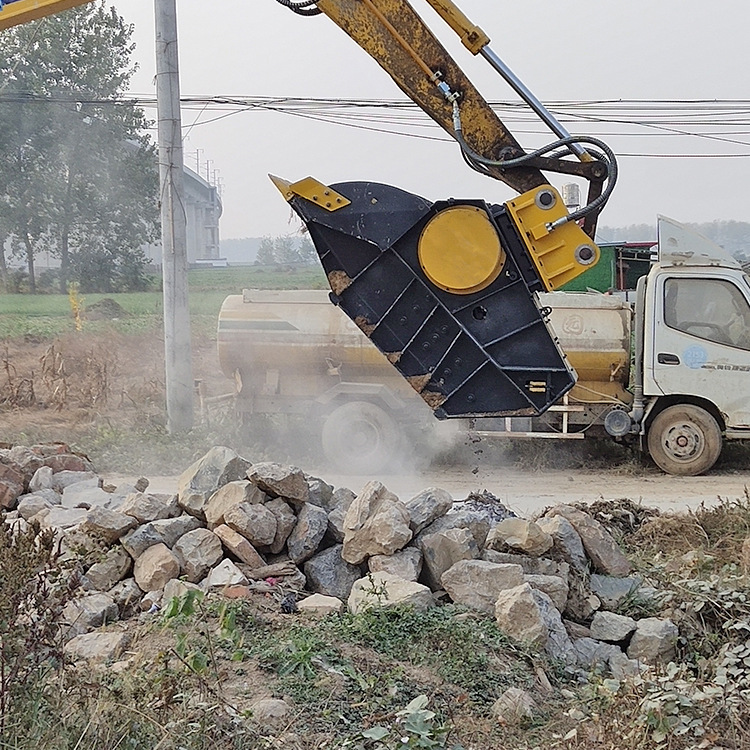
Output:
(701, 340)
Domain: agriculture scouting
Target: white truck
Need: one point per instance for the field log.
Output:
(678, 391)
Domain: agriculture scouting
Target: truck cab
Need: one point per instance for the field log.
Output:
(696, 351)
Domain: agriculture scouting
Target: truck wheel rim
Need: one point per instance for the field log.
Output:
(683, 442)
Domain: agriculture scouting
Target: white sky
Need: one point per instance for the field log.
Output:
(568, 50)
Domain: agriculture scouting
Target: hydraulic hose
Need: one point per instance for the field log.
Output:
(606, 156)
(302, 7)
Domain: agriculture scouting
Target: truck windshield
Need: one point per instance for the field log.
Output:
(710, 309)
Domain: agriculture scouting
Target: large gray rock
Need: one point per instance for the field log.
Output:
(255, 522)
(427, 506)
(606, 557)
(531, 617)
(97, 647)
(406, 564)
(555, 587)
(12, 483)
(533, 566)
(41, 480)
(277, 480)
(386, 590)
(145, 507)
(593, 655)
(342, 497)
(171, 529)
(515, 706)
(475, 520)
(62, 479)
(336, 529)
(127, 595)
(611, 628)
(89, 612)
(58, 517)
(654, 641)
(477, 584)
(308, 533)
(240, 547)
(137, 541)
(109, 525)
(200, 480)
(197, 552)
(103, 575)
(285, 522)
(328, 573)
(230, 495)
(443, 550)
(157, 565)
(377, 523)
(320, 493)
(30, 505)
(566, 541)
(86, 494)
(320, 604)
(612, 591)
(520, 535)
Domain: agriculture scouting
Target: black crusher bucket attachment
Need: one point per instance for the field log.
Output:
(445, 290)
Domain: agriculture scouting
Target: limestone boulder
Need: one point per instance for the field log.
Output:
(197, 552)
(277, 480)
(254, 521)
(377, 523)
(200, 480)
(308, 532)
(145, 507)
(137, 541)
(518, 534)
(226, 573)
(30, 505)
(612, 628)
(475, 520)
(427, 506)
(109, 525)
(605, 555)
(443, 550)
(230, 495)
(515, 706)
(533, 566)
(531, 617)
(406, 564)
(103, 575)
(566, 542)
(320, 604)
(171, 529)
(237, 545)
(285, 522)
(97, 647)
(477, 584)
(320, 493)
(65, 478)
(555, 587)
(176, 589)
(654, 641)
(86, 494)
(88, 612)
(157, 565)
(11, 486)
(611, 590)
(328, 573)
(386, 590)
(126, 595)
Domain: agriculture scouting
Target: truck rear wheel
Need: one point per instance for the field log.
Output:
(684, 440)
(360, 437)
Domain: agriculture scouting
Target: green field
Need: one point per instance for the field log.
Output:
(49, 315)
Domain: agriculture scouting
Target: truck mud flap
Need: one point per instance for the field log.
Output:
(487, 352)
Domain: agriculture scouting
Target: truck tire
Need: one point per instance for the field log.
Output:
(684, 440)
(360, 437)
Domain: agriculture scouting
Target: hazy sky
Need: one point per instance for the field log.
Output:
(568, 50)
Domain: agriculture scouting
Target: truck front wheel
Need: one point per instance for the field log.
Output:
(684, 440)
(360, 437)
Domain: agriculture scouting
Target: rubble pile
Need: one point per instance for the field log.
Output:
(263, 529)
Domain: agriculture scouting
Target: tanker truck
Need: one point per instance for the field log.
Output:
(669, 373)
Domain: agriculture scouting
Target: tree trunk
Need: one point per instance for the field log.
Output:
(30, 261)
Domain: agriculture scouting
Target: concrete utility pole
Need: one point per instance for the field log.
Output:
(177, 352)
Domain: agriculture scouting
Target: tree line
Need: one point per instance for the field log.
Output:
(79, 176)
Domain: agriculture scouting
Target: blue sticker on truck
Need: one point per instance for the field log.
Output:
(695, 357)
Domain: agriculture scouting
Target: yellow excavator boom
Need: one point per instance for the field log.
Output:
(16, 12)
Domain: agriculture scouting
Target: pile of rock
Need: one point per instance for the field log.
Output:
(247, 529)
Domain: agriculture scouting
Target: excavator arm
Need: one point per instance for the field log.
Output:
(447, 290)
(16, 12)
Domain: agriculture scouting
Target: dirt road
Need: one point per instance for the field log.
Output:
(527, 492)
